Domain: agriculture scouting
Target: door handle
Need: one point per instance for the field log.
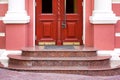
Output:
(64, 24)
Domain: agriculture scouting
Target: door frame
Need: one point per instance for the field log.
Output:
(34, 23)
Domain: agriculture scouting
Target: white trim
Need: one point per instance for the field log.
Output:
(3, 1)
(16, 18)
(2, 34)
(116, 1)
(114, 53)
(102, 13)
(117, 50)
(117, 34)
(118, 17)
(3, 56)
(1, 18)
(84, 19)
(16, 13)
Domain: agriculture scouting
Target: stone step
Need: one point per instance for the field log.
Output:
(82, 70)
(59, 61)
(69, 60)
(78, 51)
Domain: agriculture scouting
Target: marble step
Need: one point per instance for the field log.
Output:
(59, 61)
(40, 51)
(82, 70)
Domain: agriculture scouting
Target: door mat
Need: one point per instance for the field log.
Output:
(59, 47)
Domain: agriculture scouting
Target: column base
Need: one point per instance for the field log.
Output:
(16, 18)
(102, 17)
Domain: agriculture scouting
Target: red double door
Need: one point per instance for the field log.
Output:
(59, 21)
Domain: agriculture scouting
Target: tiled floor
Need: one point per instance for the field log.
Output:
(14, 75)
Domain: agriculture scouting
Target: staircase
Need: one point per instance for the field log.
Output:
(69, 60)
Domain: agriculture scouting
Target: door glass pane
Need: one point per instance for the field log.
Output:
(46, 6)
(71, 6)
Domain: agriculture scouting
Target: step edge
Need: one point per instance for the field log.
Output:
(59, 69)
(60, 58)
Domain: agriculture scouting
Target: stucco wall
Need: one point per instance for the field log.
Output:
(88, 26)
(116, 9)
(3, 9)
(30, 7)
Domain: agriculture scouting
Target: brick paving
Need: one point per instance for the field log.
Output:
(15, 75)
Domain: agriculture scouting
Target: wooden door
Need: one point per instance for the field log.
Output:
(72, 32)
(51, 15)
(46, 21)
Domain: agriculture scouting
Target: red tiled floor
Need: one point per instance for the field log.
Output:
(14, 75)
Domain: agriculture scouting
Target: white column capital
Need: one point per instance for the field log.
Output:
(16, 13)
(102, 13)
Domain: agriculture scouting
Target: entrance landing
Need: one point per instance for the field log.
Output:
(59, 48)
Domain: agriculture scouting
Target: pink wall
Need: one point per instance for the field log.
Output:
(117, 39)
(16, 36)
(30, 9)
(116, 9)
(3, 9)
(104, 36)
(89, 27)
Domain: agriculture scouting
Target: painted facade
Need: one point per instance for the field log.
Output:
(101, 25)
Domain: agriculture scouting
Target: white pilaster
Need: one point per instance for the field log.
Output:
(16, 12)
(102, 13)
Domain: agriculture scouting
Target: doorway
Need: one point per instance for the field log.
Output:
(59, 22)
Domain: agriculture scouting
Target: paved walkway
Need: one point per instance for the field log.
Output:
(15, 75)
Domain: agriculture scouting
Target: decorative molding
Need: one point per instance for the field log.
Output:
(16, 13)
(103, 17)
(2, 34)
(102, 13)
(16, 20)
(3, 1)
(117, 34)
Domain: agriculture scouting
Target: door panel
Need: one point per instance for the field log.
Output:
(47, 30)
(73, 30)
(46, 21)
(70, 33)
